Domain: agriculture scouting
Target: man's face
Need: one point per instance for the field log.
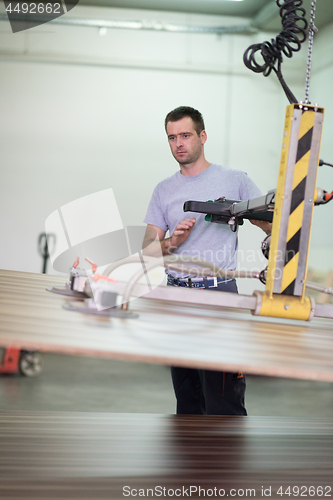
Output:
(185, 144)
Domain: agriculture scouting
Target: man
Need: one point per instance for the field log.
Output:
(198, 391)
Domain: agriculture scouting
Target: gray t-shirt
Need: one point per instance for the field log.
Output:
(209, 241)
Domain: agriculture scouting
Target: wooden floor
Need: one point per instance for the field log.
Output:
(94, 456)
(164, 333)
(97, 456)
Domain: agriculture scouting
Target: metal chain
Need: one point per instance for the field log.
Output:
(312, 30)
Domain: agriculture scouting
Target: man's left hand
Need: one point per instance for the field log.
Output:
(264, 225)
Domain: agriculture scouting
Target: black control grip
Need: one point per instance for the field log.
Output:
(208, 207)
(222, 208)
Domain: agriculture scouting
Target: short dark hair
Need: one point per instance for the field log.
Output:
(183, 112)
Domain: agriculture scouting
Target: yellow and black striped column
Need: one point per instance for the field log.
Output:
(294, 201)
(297, 204)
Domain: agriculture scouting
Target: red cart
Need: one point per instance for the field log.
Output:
(16, 360)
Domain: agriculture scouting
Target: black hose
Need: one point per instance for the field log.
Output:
(322, 162)
(289, 40)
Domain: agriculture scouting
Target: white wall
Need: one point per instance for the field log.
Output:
(80, 113)
(321, 250)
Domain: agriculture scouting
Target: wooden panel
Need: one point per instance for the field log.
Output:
(94, 456)
(164, 333)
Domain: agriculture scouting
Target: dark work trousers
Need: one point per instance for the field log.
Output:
(209, 392)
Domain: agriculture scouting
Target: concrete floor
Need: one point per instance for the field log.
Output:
(72, 383)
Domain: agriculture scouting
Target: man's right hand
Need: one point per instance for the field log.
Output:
(155, 244)
(181, 233)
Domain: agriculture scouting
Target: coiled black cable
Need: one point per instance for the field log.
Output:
(289, 40)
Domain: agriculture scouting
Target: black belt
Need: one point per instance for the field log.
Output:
(195, 283)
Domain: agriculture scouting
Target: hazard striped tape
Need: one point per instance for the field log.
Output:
(297, 203)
